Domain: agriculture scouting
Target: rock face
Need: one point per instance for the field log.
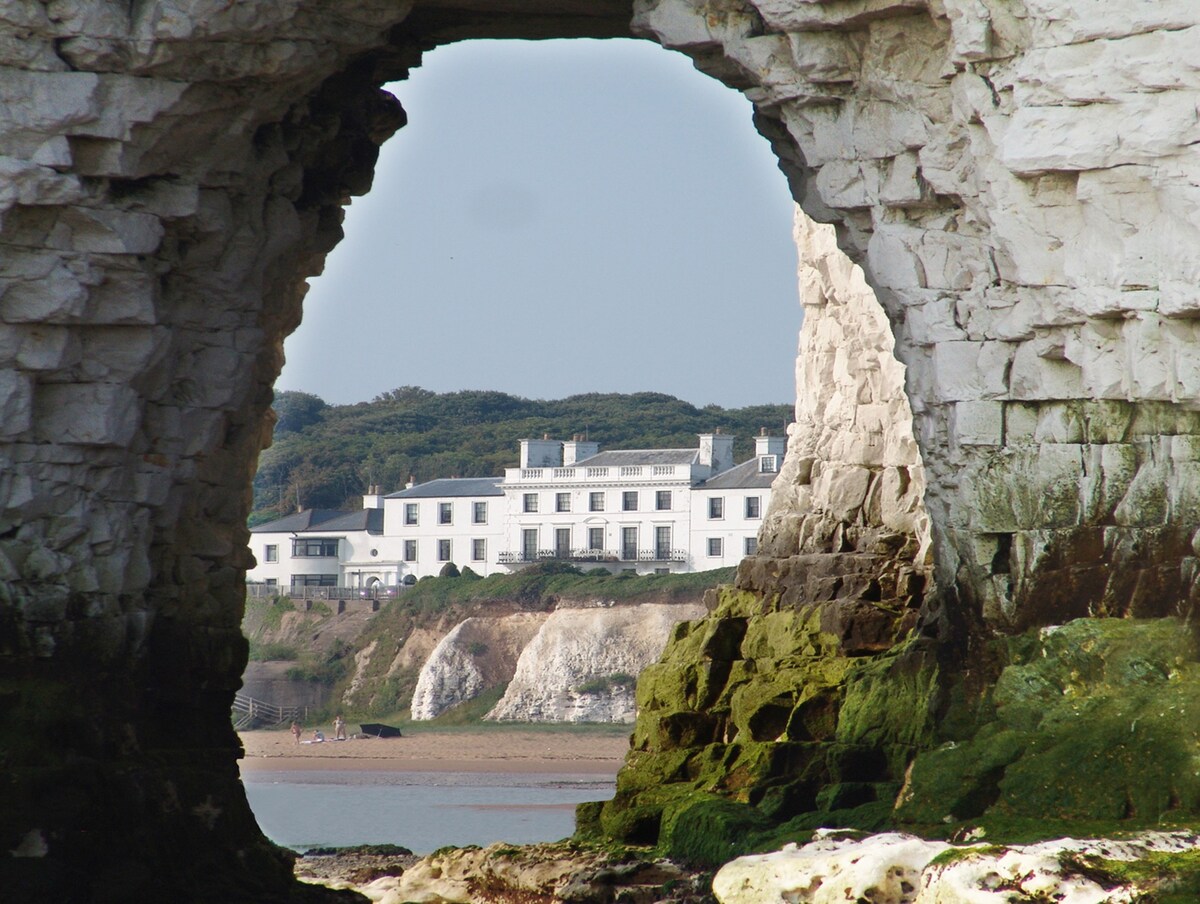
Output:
(902, 869)
(580, 665)
(1017, 178)
(477, 654)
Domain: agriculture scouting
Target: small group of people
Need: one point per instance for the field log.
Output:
(318, 736)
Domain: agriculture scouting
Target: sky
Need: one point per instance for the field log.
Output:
(561, 217)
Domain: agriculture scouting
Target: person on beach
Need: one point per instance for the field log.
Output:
(318, 736)
(296, 731)
(339, 728)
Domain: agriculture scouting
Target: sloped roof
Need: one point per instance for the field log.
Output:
(452, 486)
(299, 521)
(740, 477)
(370, 520)
(634, 457)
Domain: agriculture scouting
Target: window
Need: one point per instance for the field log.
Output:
(410, 550)
(479, 513)
(662, 500)
(317, 547)
(443, 550)
(629, 501)
(768, 464)
(629, 544)
(562, 502)
(662, 543)
(714, 546)
(562, 542)
(529, 502)
(753, 508)
(271, 553)
(595, 538)
(716, 507)
(529, 544)
(314, 580)
(595, 502)
(751, 545)
(410, 513)
(478, 550)
(445, 513)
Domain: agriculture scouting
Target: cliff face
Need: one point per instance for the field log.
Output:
(477, 654)
(1017, 178)
(581, 665)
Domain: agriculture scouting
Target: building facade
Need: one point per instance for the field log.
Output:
(643, 511)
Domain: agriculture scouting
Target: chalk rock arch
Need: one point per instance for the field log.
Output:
(1017, 180)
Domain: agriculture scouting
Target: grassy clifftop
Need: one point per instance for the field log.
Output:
(371, 660)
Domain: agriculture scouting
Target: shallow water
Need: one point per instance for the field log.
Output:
(422, 811)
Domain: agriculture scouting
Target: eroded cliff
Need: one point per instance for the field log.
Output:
(583, 663)
(1018, 178)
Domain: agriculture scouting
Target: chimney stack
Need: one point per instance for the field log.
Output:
(541, 453)
(577, 449)
(769, 445)
(716, 451)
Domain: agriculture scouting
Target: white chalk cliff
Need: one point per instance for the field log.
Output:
(477, 654)
(573, 670)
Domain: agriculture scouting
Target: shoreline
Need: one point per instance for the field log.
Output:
(519, 751)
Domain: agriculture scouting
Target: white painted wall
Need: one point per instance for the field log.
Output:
(364, 558)
(428, 532)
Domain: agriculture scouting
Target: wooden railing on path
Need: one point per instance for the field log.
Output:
(250, 712)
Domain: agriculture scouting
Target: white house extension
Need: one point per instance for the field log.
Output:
(640, 510)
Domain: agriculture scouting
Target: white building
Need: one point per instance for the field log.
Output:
(645, 511)
(459, 520)
(727, 509)
(324, 548)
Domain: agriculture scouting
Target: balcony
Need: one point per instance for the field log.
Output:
(582, 476)
(520, 557)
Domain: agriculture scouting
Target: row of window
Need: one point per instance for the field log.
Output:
(445, 550)
(530, 547)
(629, 503)
(308, 548)
(716, 507)
(445, 513)
(716, 546)
(327, 547)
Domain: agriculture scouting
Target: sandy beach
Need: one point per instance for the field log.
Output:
(431, 750)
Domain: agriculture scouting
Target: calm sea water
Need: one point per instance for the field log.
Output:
(422, 811)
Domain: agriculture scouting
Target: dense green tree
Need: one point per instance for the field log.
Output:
(296, 410)
(324, 456)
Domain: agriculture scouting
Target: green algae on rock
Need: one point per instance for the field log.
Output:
(755, 727)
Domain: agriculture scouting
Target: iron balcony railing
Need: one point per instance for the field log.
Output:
(256, 591)
(525, 557)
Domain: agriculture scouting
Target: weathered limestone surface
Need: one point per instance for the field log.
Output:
(1020, 183)
(1018, 179)
(898, 868)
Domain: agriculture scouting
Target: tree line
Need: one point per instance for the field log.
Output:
(326, 456)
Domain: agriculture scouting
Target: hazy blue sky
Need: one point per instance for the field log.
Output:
(556, 218)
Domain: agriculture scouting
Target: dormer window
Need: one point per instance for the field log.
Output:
(768, 464)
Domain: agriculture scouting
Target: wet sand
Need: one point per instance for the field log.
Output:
(430, 750)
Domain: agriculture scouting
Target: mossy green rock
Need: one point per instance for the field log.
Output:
(754, 728)
(743, 725)
(1096, 720)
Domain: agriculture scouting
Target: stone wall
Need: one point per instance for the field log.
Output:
(1017, 179)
